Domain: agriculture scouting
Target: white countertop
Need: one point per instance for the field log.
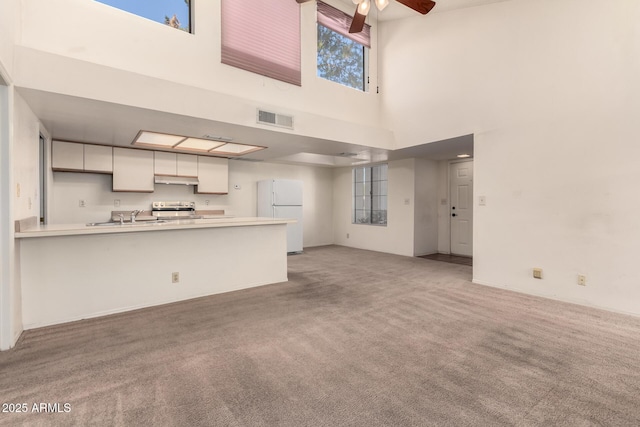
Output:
(145, 226)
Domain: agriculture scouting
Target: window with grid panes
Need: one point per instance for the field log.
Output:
(370, 195)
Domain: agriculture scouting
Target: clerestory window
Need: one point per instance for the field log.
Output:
(173, 13)
(342, 56)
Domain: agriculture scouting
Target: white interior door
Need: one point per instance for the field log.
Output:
(461, 207)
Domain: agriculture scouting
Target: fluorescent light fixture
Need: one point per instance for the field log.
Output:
(213, 145)
(197, 144)
(463, 156)
(157, 139)
(232, 149)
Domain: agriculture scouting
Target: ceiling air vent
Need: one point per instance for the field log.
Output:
(275, 119)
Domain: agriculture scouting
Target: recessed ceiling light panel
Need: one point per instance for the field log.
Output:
(213, 146)
(157, 139)
(197, 144)
(232, 149)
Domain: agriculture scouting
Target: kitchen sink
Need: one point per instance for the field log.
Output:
(135, 224)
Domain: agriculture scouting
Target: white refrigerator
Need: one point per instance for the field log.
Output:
(282, 198)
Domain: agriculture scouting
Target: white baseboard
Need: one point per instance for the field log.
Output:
(554, 298)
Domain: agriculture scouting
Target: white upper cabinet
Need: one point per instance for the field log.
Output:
(76, 157)
(67, 156)
(165, 163)
(213, 175)
(133, 170)
(187, 165)
(98, 158)
(172, 164)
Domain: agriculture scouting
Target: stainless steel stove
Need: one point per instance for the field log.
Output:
(174, 210)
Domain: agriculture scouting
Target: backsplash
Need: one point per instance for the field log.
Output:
(69, 189)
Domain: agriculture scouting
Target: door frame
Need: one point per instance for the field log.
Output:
(451, 162)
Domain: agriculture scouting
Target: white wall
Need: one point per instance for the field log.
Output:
(426, 207)
(25, 199)
(68, 188)
(397, 236)
(25, 161)
(9, 26)
(9, 23)
(6, 215)
(150, 65)
(550, 90)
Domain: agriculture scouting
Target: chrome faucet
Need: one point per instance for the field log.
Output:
(121, 218)
(134, 213)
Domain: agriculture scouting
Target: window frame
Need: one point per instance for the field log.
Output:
(369, 181)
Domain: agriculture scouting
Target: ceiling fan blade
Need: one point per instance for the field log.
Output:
(421, 6)
(357, 23)
(302, 1)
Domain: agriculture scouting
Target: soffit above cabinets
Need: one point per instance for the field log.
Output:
(69, 118)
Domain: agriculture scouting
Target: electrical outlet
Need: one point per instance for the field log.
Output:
(175, 277)
(206, 202)
(81, 203)
(347, 235)
(537, 273)
(582, 280)
(482, 200)
(116, 203)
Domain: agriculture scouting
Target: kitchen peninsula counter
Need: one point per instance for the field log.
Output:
(144, 226)
(74, 271)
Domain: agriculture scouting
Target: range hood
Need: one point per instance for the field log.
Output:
(179, 180)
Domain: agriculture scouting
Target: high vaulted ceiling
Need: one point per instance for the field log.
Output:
(396, 10)
(80, 119)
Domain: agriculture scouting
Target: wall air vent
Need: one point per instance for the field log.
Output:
(274, 119)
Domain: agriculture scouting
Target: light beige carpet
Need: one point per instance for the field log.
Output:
(354, 338)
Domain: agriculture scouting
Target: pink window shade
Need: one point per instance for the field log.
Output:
(340, 22)
(262, 36)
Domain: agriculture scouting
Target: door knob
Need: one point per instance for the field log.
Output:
(453, 214)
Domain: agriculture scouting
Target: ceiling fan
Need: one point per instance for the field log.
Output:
(363, 6)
